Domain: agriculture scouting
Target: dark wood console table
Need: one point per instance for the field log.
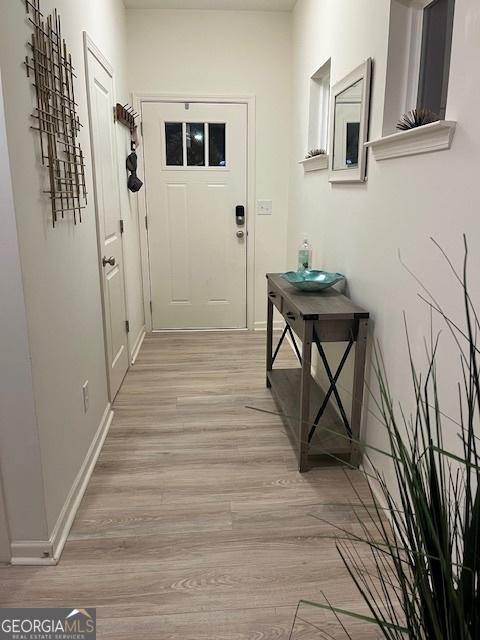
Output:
(316, 429)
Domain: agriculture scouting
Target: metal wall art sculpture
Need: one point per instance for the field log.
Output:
(50, 65)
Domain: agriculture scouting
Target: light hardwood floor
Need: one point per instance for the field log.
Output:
(196, 524)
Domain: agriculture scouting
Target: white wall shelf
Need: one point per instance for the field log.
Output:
(316, 163)
(436, 136)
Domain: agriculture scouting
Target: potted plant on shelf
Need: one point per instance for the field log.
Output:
(314, 160)
(416, 118)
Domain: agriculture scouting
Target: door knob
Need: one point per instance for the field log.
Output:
(240, 233)
(110, 261)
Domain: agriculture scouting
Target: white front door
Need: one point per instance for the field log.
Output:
(196, 186)
(107, 201)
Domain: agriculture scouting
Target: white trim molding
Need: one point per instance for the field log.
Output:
(137, 345)
(32, 553)
(319, 110)
(315, 163)
(367, 468)
(89, 45)
(67, 515)
(436, 136)
(261, 325)
(48, 552)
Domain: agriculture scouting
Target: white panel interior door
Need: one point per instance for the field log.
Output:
(195, 176)
(107, 200)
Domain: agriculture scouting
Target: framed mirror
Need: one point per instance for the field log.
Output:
(350, 102)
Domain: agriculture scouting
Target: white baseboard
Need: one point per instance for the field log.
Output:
(48, 552)
(65, 519)
(367, 467)
(261, 325)
(32, 552)
(138, 345)
(183, 331)
(290, 342)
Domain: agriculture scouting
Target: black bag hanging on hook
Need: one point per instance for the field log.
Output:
(134, 183)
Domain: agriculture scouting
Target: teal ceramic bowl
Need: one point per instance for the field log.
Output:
(312, 280)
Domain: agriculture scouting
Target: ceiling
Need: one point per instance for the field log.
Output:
(238, 5)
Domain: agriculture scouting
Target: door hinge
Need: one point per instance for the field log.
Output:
(122, 226)
(146, 223)
(141, 127)
(151, 307)
(127, 325)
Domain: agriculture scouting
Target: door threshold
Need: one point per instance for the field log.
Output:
(198, 330)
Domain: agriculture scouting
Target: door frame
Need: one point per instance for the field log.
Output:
(89, 46)
(138, 98)
(5, 542)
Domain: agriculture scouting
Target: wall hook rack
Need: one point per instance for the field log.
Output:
(126, 115)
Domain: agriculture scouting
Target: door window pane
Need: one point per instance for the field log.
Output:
(216, 144)
(174, 144)
(195, 132)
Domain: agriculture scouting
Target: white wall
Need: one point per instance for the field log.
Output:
(60, 268)
(357, 229)
(22, 480)
(228, 53)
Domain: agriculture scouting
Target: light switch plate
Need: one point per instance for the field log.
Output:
(264, 207)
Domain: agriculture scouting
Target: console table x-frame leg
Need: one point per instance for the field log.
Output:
(333, 386)
(286, 330)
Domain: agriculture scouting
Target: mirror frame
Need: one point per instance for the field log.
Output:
(362, 72)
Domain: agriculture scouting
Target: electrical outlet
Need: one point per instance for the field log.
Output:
(86, 398)
(264, 207)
